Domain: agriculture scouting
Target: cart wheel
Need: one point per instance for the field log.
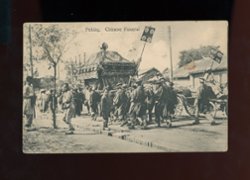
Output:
(212, 109)
(179, 107)
(190, 108)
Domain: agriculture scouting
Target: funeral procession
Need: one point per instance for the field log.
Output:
(125, 87)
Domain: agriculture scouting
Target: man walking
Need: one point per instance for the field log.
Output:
(205, 92)
(105, 108)
(29, 101)
(120, 101)
(160, 101)
(68, 106)
(79, 101)
(150, 102)
(93, 103)
(171, 101)
(138, 110)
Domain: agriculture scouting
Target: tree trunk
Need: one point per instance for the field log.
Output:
(53, 109)
(55, 75)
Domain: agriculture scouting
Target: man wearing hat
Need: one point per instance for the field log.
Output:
(150, 101)
(162, 79)
(158, 75)
(171, 101)
(159, 101)
(118, 85)
(138, 109)
(130, 106)
(79, 101)
(205, 92)
(68, 107)
(93, 103)
(126, 100)
(120, 101)
(106, 104)
(29, 101)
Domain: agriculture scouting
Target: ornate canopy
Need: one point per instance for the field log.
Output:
(108, 67)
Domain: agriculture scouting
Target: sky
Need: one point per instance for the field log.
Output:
(119, 37)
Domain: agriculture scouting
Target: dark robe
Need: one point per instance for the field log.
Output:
(138, 99)
(120, 103)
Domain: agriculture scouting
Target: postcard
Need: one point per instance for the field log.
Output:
(125, 87)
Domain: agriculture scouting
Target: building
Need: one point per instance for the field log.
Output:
(146, 74)
(106, 68)
(189, 74)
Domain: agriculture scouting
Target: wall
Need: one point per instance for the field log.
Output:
(183, 82)
(194, 82)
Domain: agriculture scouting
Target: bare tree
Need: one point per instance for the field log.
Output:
(51, 42)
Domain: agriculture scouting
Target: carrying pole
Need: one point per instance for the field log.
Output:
(139, 62)
(143, 49)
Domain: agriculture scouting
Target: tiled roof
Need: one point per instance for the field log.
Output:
(200, 66)
(144, 71)
(107, 57)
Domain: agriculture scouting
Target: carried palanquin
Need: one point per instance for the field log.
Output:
(106, 68)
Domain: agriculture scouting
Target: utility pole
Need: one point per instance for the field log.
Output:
(31, 60)
(80, 62)
(75, 60)
(170, 52)
(84, 58)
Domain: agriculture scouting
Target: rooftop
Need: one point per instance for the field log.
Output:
(106, 57)
(200, 66)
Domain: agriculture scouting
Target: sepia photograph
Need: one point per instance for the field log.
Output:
(125, 87)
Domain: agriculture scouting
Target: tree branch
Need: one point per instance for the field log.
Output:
(49, 56)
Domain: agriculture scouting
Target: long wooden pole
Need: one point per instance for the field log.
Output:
(31, 60)
(143, 49)
(139, 62)
(170, 52)
(84, 58)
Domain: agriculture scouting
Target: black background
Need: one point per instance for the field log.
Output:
(234, 164)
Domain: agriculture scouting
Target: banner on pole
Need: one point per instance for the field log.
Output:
(147, 34)
(216, 55)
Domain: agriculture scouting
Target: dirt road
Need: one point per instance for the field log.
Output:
(89, 137)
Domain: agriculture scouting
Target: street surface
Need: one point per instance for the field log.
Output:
(90, 138)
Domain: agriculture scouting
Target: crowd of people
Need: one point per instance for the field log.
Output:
(130, 105)
(134, 105)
